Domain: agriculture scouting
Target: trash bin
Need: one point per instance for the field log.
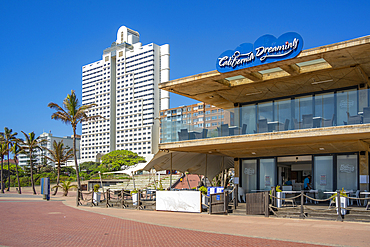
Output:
(45, 188)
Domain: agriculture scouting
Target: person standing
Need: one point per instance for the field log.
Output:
(307, 183)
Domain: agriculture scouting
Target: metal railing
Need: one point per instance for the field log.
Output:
(304, 209)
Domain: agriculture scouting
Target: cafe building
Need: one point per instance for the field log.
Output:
(295, 113)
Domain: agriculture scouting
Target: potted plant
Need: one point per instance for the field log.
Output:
(96, 194)
(205, 199)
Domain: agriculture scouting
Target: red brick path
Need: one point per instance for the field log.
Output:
(41, 223)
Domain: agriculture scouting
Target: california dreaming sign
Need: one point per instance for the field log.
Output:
(266, 49)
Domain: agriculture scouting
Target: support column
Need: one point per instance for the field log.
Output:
(364, 169)
(171, 174)
(205, 173)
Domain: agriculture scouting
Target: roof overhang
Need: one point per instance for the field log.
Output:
(333, 66)
(338, 139)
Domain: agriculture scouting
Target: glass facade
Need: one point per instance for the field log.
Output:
(329, 173)
(249, 175)
(347, 172)
(267, 171)
(323, 175)
(316, 110)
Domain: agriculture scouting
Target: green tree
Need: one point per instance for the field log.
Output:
(9, 138)
(30, 145)
(72, 113)
(59, 155)
(3, 152)
(89, 167)
(120, 159)
(16, 149)
(66, 186)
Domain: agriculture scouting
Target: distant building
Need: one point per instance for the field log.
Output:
(196, 119)
(124, 87)
(67, 141)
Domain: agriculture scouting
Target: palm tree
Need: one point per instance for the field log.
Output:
(9, 138)
(16, 149)
(59, 155)
(30, 145)
(66, 186)
(3, 152)
(72, 113)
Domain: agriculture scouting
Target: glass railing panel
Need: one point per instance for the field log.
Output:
(248, 116)
(346, 107)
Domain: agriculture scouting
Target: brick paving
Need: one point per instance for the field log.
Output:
(30, 222)
(33, 222)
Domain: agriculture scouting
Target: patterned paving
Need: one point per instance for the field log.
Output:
(41, 223)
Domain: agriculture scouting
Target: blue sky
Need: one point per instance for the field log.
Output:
(44, 44)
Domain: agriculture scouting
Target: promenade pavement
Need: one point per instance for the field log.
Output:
(28, 220)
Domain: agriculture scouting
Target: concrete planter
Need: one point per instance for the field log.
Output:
(279, 201)
(96, 197)
(134, 199)
(343, 205)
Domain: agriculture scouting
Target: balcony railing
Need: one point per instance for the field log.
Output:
(342, 107)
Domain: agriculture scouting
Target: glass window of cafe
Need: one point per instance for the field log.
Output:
(328, 172)
(313, 110)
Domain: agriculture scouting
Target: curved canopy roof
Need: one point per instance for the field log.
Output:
(202, 164)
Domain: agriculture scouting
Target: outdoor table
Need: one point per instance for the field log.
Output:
(317, 122)
(368, 202)
(273, 126)
(311, 192)
(234, 130)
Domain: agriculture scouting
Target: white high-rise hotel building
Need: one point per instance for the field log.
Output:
(124, 87)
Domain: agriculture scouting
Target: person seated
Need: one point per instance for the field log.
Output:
(288, 182)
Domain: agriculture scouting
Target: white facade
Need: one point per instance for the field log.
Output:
(124, 87)
(67, 141)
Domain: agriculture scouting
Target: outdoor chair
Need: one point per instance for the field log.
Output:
(365, 201)
(223, 130)
(292, 201)
(286, 124)
(244, 129)
(307, 121)
(328, 122)
(358, 200)
(183, 134)
(204, 133)
(357, 119)
(262, 126)
(366, 114)
(331, 202)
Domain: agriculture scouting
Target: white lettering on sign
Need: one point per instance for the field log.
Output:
(249, 171)
(264, 52)
(347, 168)
(236, 59)
(346, 104)
(261, 52)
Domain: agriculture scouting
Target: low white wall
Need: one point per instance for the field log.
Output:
(179, 201)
